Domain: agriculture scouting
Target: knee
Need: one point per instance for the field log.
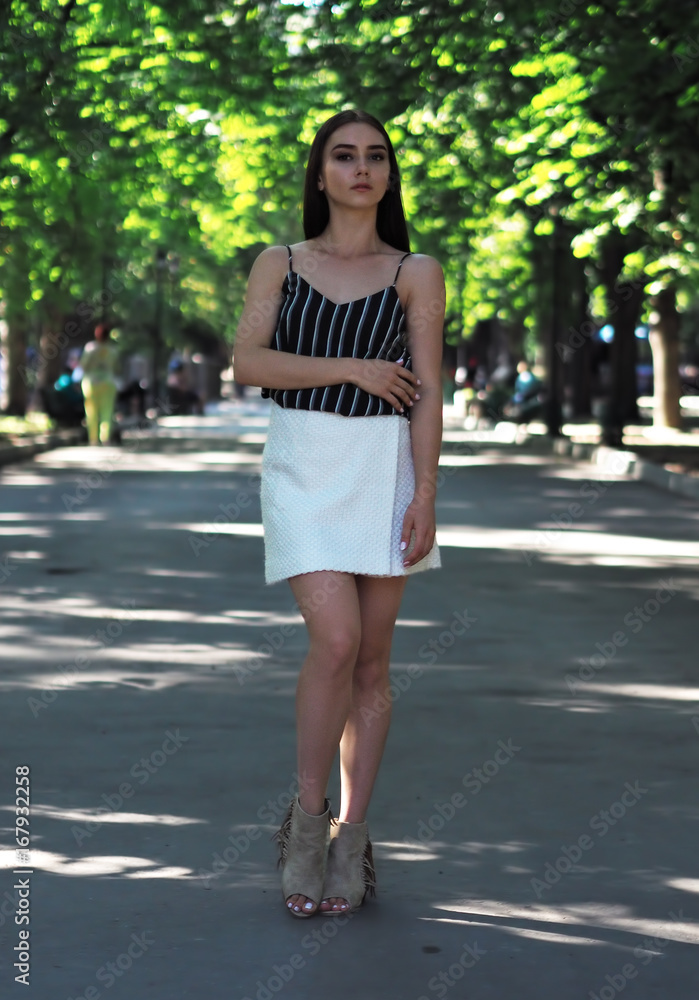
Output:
(339, 649)
(371, 674)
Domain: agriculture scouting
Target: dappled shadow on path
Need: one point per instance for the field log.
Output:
(533, 803)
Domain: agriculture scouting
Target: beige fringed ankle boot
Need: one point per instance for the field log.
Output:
(350, 871)
(303, 851)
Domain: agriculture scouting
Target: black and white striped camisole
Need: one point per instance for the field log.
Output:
(309, 323)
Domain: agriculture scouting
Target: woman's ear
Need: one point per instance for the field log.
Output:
(320, 183)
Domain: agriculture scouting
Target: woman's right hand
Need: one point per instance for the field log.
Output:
(387, 379)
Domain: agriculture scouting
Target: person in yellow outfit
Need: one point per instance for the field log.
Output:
(99, 363)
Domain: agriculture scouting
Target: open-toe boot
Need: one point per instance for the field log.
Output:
(350, 871)
(303, 851)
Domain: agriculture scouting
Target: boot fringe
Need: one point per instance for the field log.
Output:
(282, 837)
(368, 870)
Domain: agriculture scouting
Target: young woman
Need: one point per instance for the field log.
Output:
(344, 331)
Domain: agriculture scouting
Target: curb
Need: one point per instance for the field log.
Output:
(44, 442)
(66, 438)
(629, 463)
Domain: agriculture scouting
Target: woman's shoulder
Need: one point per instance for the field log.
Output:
(274, 253)
(422, 265)
(271, 264)
(422, 272)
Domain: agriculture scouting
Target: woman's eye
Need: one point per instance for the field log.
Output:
(348, 156)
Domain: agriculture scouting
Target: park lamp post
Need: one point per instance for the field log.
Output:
(160, 266)
(553, 410)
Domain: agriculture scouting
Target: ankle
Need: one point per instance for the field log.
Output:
(313, 806)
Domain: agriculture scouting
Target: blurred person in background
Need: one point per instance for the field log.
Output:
(100, 364)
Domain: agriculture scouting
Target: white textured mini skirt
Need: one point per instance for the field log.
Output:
(334, 493)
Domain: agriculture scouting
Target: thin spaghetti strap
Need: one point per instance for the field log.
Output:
(291, 263)
(400, 264)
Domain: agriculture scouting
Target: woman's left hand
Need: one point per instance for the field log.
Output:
(420, 519)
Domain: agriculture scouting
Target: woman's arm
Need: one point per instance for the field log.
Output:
(256, 363)
(425, 318)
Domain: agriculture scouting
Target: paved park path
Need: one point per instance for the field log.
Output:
(536, 821)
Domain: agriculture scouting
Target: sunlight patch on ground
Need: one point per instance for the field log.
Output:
(524, 932)
(213, 665)
(79, 607)
(449, 458)
(26, 530)
(582, 705)
(229, 528)
(182, 574)
(203, 656)
(590, 916)
(12, 478)
(684, 884)
(142, 460)
(86, 515)
(568, 541)
(61, 864)
(625, 561)
(660, 691)
(397, 851)
(102, 814)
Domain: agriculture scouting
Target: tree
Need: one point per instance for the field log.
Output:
(109, 147)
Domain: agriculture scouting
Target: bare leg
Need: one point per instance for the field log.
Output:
(329, 604)
(364, 736)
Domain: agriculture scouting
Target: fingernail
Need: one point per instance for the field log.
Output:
(403, 546)
(419, 382)
(399, 361)
(417, 395)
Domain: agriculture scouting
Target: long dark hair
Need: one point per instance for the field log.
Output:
(390, 217)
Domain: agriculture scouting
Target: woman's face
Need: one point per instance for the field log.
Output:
(355, 169)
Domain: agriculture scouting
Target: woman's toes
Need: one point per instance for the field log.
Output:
(334, 903)
(299, 903)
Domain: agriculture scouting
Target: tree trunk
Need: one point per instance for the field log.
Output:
(18, 379)
(624, 301)
(53, 342)
(665, 344)
(580, 360)
(553, 406)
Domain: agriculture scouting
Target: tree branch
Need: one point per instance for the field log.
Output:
(34, 90)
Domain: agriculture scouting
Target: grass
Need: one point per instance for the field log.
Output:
(33, 423)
